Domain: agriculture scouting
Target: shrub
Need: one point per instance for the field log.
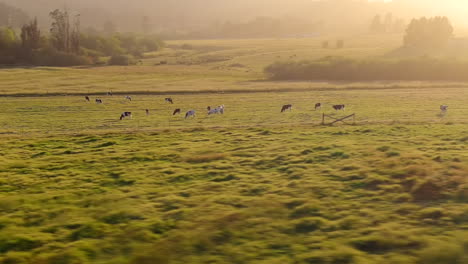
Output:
(341, 69)
(52, 57)
(123, 60)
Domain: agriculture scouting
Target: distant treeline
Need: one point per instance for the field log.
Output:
(340, 69)
(66, 45)
(260, 27)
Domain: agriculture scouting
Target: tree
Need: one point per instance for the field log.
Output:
(428, 32)
(376, 25)
(75, 36)
(60, 30)
(30, 36)
(388, 23)
(7, 39)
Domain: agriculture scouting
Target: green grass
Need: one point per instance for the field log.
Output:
(292, 195)
(250, 186)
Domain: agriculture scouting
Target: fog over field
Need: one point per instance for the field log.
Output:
(336, 15)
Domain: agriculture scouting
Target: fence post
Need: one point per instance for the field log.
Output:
(323, 118)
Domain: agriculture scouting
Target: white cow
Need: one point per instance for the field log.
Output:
(190, 113)
(217, 110)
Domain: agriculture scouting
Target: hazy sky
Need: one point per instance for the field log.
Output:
(203, 11)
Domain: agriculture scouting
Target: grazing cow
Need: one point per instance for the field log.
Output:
(87, 98)
(208, 108)
(98, 101)
(217, 110)
(147, 112)
(286, 107)
(339, 107)
(109, 93)
(318, 106)
(169, 100)
(177, 111)
(128, 98)
(444, 108)
(126, 114)
(190, 113)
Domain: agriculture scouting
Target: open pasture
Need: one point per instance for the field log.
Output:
(78, 185)
(72, 114)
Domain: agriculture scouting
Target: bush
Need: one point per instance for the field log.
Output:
(340, 69)
(52, 57)
(123, 60)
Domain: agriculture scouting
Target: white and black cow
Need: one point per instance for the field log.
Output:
(125, 115)
(339, 107)
(286, 107)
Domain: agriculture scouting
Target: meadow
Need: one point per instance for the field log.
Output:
(77, 185)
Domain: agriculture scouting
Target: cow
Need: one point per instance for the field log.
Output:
(286, 107)
(444, 108)
(208, 108)
(217, 110)
(128, 98)
(190, 113)
(318, 106)
(168, 100)
(98, 101)
(109, 93)
(87, 98)
(177, 111)
(339, 107)
(126, 114)
(147, 112)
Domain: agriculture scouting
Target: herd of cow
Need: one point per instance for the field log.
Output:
(191, 113)
(220, 109)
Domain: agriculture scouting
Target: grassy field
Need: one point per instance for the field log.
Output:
(77, 185)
